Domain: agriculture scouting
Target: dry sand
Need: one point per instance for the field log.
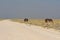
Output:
(19, 31)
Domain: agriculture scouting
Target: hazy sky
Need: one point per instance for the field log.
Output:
(30, 8)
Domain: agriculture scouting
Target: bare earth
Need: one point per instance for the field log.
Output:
(19, 31)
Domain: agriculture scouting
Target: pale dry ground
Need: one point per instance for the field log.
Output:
(20, 31)
(41, 22)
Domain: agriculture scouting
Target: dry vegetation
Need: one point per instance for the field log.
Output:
(41, 22)
(2, 19)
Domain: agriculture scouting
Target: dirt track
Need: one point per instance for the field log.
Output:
(19, 31)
